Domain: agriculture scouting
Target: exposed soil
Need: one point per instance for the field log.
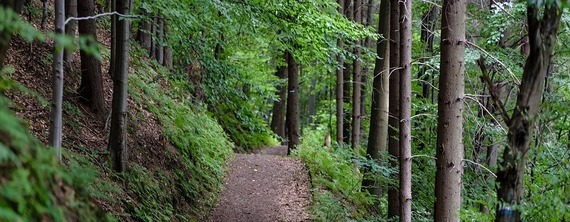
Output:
(264, 187)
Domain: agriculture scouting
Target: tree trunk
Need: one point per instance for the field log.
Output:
(91, 87)
(394, 101)
(292, 103)
(405, 111)
(279, 106)
(378, 135)
(160, 43)
(542, 34)
(347, 132)
(356, 83)
(312, 101)
(143, 33)
(5, 37)
(118, 135)
(339, 96)
(450, 151)
(70, 27)
(426, 36)
(57, 80)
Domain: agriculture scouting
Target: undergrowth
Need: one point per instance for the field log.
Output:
(336, 181)
(200, 143)
(33, 185)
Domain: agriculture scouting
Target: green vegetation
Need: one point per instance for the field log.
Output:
(33, 183)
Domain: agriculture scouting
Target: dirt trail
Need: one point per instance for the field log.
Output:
(264, 187)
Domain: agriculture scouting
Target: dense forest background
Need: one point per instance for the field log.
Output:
(401, 110)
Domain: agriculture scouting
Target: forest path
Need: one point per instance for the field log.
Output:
(264, 186)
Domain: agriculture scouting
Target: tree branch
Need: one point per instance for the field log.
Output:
(496, 99)
(97, 16)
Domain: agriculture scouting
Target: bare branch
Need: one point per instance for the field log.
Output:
(493, 90)
(97, 16)
(479, 165)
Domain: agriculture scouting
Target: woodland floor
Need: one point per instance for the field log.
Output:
(265, 186)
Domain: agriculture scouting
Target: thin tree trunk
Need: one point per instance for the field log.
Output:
(356, 84)
(378, 135)
(118, 135)
(450, 151)
(5, 37)
(91, 87)
(405, 111)
(393, 107)
(70, 27)
(292, 103)
(339, 95)
(542, 32)
(312, 101)
(55, 130)
(279, 106)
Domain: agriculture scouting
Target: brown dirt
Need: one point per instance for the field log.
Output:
(264, 187)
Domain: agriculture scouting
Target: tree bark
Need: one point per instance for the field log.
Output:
(542, 34)
(393, 107)
(378, 135)
(405, 111)
(55, 129)
(450, 149)
(118, 135)
(293, 133)
(70, 27)
(279, 106)
(91, 87)
(356, 83)
(5, 37)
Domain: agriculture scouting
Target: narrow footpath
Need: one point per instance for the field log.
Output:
(264, 187)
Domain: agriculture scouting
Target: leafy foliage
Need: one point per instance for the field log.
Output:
(33, 184)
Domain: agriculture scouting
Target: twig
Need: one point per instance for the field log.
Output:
(492, 90)
(479, 165)
(98, 15)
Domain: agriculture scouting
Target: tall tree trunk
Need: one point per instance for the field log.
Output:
(118, 135)
(542, 32)
(378, 135)
(70, 27)
(405, 111)
(356, 83)
(5, 37)
(91, 87)
(279, 106)
(347, 130)
(143, 33)
(113, 51)
(56, 126)
(293, 133)
(160, 41)
(339, 87)
(450, 151)
(394, 101)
